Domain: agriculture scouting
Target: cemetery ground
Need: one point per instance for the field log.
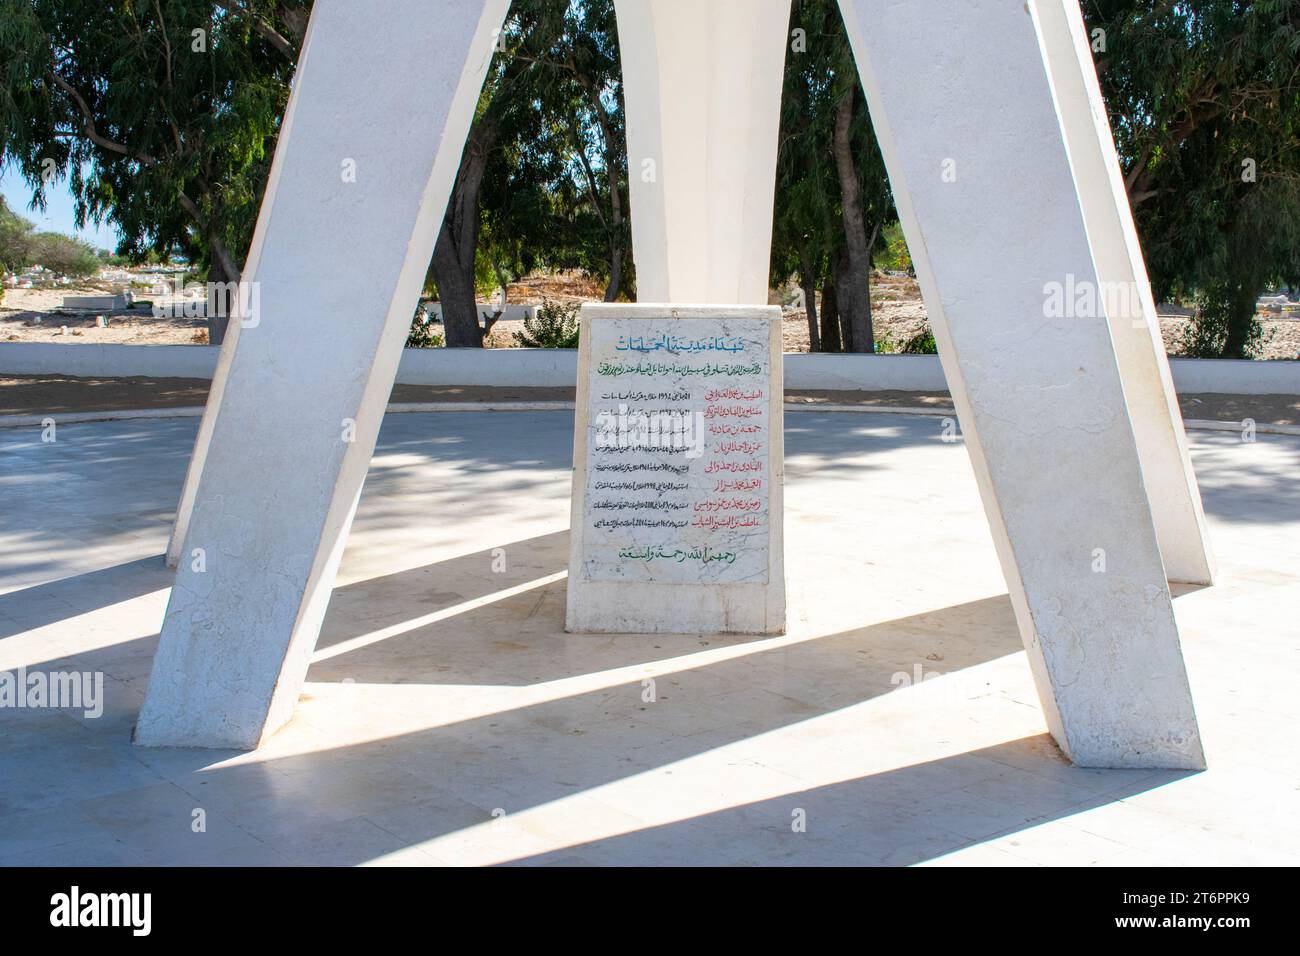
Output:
(28, 315)
(447, 717)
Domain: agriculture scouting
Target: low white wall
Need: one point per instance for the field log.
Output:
(108, 361)
(558, 368)
(512, 312)
(875, 373)
(541, 368)
(1236, 376)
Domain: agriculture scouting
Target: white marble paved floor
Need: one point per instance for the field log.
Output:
(448, 718)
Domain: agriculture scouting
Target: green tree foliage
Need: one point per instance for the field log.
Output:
(162, 115)
(806, 234)
(543, 178)
(15, 242)
(561, 179)
(16, 245)
(21, 246)
(1204, 99)
(65, 255)
(832, 193)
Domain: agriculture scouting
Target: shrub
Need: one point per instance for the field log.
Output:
(422, 335)
(15, 240)
(920, 342)
(554, 326)
(895, 256)
(65, 255)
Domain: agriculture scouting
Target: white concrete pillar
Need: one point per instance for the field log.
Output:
(963, 109)
(216, 391)
(702, 87)
(1131, 309)
(185, 507)
(365, 163)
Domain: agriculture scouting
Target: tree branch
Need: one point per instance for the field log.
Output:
(93, 134)
(263, 29)
(189, 205)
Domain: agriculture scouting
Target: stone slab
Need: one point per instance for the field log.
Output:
(676, 520)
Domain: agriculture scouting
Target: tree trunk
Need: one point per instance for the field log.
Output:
(853, 283)
(453, 256)
(222, 269)
(842, 293)
(1240, 317)
(830, 318)
(611, 143)
(808, 286)
(456, 294)
(615, 228)
(809, 290)
(615, 272)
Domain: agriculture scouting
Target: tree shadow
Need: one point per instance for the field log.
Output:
(566, 714)
(1234, 488)
(44, 604)
(524, 753)
(899, 817)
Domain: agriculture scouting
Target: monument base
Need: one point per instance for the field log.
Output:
(678, 465)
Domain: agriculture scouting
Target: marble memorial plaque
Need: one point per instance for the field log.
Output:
(677, 468)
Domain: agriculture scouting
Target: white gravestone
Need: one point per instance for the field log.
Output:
(676, 522)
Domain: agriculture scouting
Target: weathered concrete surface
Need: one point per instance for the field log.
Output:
(442, 689)
(369, 149)
(985, 194)
(1130, 309)
(702, 86)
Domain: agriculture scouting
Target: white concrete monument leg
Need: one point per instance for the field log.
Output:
(365, 163)
(194, 471)
(202, 440)
(702, 87)
(965, 117)
(1134, 326)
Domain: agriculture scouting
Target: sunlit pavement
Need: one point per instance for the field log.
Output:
(448, 718)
